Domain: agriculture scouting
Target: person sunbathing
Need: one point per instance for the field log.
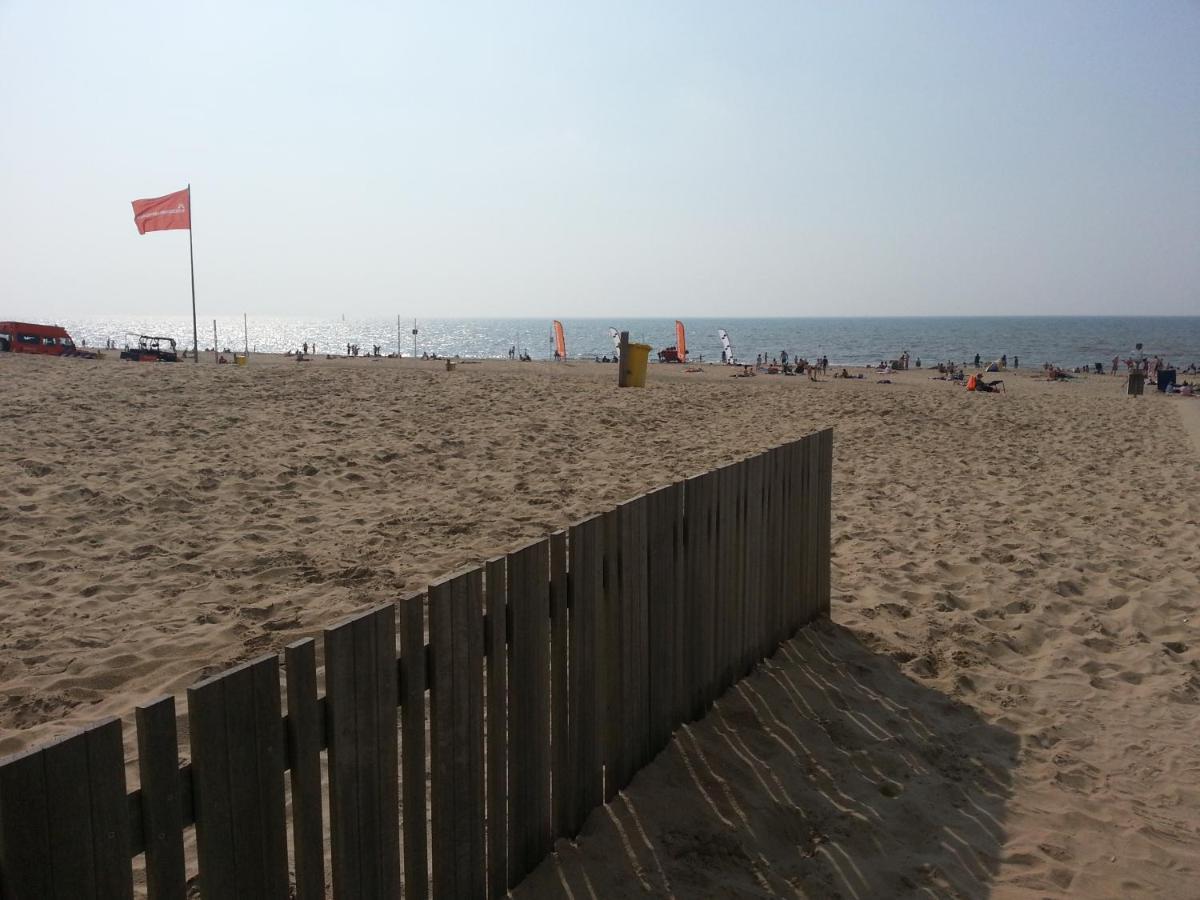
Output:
(988, 387)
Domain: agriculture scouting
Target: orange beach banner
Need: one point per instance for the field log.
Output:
(560, 340)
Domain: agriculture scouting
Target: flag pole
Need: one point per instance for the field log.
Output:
(192, 263)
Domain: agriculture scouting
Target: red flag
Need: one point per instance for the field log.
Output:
(163, 213)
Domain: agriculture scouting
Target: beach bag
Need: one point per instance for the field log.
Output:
(971, 383)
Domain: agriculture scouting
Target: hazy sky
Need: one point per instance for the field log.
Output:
(796, 158)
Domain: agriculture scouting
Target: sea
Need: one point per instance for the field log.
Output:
(1061, 340)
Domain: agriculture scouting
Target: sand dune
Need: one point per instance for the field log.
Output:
(1005, 703)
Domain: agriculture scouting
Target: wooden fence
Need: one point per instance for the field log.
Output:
(524, 694)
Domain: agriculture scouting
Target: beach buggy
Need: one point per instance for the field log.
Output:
(151, 349)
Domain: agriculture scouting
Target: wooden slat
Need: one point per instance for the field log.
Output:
(635, 628)
(559, 709)
(456, 642)
(528, 703)
(681, 617)
(584, 785)
(161, 809)
(67, 797)
(441, 739)
(496, 647)
(238, 762)
(412, 689)
(211, 790)
(305, 726)
(825, 513)
(376, 702)
(812, 527)
(698, 581)
(659, 554)
(791, 531)
(361, 729)
(469, 660)
(782, 498)
(768, 636)
(610, 660)
(112, 874)
(24, 827)
(727, 575)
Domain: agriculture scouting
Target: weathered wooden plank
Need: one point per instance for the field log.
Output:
(729, 574)
(412, 690)
(113, 875)
(360, 678)
(584, 784)
(366, 756)
(159, 796)
(698, 569)
(304, 724)
(681, 602)
(456, 630)
(68, 786)
(253, 744)
(496, 647)
(635, 628)
(24, 828)
(782, 494)
(472, 811)
(659, 554)
(375, 669)
(340, 736)
(559, 709)
(441, 738)
(772, 486)
(528, 696)
(611, 658)
(825, 513)
(211, 796)
(755, 544)
(791, 458)
(811, 534)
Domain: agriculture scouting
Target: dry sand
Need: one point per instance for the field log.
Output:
(1005, 703)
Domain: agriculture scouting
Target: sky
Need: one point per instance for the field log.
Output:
(558, 159)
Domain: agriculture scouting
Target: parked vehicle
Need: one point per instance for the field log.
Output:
(151, 349)
(47, 340)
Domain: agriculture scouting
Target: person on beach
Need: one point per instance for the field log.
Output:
(977, 360)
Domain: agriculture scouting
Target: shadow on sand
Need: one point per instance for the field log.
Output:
(825, 773)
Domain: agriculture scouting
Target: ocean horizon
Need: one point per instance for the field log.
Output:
(858, 340)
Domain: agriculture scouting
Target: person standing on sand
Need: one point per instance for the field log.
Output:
(977, 360)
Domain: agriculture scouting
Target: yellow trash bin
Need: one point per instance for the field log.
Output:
(239, 359)
(635, 366)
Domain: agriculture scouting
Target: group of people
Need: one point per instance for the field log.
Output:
(790, 365)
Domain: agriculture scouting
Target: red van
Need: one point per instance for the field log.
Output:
(23, 337)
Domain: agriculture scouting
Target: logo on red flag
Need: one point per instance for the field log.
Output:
(163, 213)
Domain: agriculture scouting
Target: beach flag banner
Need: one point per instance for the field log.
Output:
(173, 212)
(560, 340)
(680, 341)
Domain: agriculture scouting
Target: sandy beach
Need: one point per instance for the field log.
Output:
(1004, 704)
